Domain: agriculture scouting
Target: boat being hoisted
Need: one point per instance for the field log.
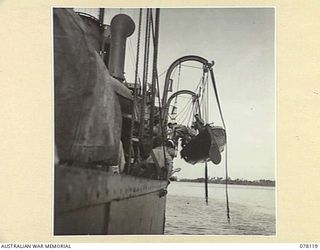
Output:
(206, 146)
(210, 140)
(107, 178)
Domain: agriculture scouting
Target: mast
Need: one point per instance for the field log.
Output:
(155, 34)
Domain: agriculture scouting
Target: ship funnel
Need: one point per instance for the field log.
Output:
(122, 26)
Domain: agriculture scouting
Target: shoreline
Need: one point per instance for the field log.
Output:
(268, 183)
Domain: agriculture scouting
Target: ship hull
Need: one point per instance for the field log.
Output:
(93, 202)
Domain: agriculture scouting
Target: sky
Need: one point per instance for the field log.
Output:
(241, 42)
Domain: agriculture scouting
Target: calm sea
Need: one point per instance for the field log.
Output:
(252, 210)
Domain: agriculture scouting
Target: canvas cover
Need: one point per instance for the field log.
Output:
(87, 108)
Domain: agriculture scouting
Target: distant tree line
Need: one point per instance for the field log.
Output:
(220, 180)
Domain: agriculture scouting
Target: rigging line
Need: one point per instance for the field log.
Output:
(227, 196)
(185, 97)
(178, 84)
(192, 113)
(160, 113)
(189, 111)
(201, 91)
(226, 154)
(155, 78)
(145, 75)
(136, 79)
(217, 97)
(198, 85)
(200, 88)
(190, 118)
(163, 73)
(173, 72)
(207, 105)
(184, 117)
(155, 32)
(184, 111)
(131, 54)
(204, 99)
(138, 50)
(207, 97)
(189, 66)
(206, 181)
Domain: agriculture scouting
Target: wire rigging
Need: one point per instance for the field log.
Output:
(188, 111)
(136, 79)
(226, 147)
(145, 75)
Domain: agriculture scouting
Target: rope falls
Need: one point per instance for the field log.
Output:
(195, 137)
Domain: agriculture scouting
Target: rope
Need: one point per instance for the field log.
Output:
(131, 54)
(135, 94)
(203, 85)
(165, 71)
(189, 66)
(178, 84)
(217, 97)
(226, 149)
(138, 48)
(207, 104)
(145, 75)
(161, 124)
(206, 181)
(197, 87)
(183, 111)
(227, 196)
(155, 36)
(187, 111)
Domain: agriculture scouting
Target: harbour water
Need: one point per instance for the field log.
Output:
(252, 210)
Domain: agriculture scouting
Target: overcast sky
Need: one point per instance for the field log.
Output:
(241, 42)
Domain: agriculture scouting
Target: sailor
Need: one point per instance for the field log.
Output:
(170, 129)
(199, 123)
(181, 131)
(192, 131)
(177, 131)
(171, 148)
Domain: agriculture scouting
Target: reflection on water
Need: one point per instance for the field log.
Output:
(252, 210)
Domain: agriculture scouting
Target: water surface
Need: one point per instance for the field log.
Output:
(252, 210)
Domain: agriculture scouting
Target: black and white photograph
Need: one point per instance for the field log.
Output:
(164, 121)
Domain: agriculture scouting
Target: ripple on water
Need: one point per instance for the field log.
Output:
(191, 216)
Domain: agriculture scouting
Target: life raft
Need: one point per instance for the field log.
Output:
(207, 145)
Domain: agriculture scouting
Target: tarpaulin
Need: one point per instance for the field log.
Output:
(87, 110)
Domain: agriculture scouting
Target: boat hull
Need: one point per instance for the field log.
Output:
(206, 146)
(93, 202)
